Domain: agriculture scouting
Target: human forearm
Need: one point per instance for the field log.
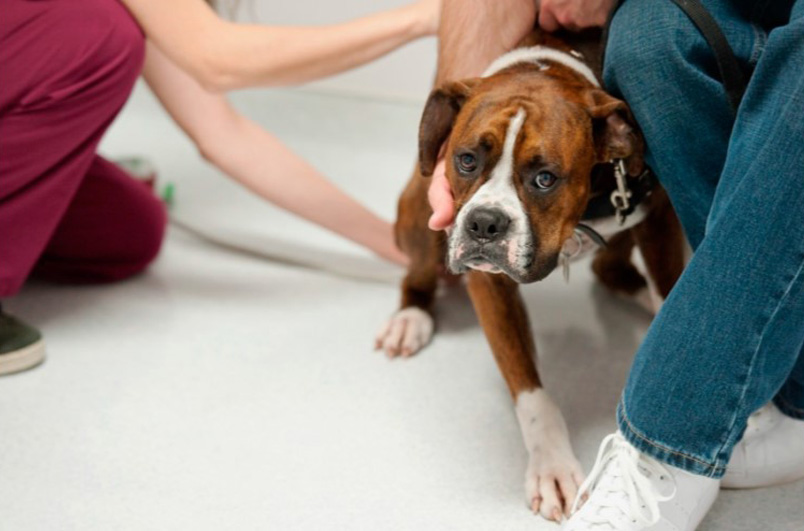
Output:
(259, 161)
(263, 164)
(475, 32)
(300, 54)
(222, 55)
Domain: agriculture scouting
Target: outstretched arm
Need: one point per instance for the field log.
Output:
(259, 161)
(222, 55)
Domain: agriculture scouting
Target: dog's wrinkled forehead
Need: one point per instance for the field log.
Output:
(500, 189)
(546, 130)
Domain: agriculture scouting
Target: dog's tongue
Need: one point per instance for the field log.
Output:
(485, 267)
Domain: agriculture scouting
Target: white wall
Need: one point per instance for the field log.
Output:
(406, 73)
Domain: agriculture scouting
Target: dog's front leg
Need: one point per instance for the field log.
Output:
(554, 474)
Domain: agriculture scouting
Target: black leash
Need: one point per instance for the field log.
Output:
(734, 82)
(732, 74)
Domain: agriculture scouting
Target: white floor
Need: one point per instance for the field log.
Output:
(219, 391)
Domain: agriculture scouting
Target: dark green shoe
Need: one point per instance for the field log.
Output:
(21, 346)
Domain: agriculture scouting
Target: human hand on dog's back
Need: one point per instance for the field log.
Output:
(573, 15)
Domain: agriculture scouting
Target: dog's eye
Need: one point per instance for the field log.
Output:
(466, 163)
(544, 180)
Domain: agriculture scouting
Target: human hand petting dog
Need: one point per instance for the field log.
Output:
(441, 201)
(552, 15)
(573, 15)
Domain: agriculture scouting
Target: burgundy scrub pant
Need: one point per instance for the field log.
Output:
(66, 214)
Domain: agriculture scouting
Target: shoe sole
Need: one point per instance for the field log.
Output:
(746, 483)
(702, 509)
(23, 359)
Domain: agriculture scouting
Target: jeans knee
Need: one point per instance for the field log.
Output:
(648, 43)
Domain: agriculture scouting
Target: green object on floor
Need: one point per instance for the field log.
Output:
(21, 345)
(169, 194)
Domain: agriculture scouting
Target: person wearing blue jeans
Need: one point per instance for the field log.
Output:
(715, 396)
(729, 337)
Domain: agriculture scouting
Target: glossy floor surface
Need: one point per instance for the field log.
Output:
(219, 391)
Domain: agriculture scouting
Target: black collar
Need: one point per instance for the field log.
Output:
(601, 205)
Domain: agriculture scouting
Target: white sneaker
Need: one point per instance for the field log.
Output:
(630, 491)
(771, 451)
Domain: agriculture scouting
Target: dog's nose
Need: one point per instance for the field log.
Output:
(486, 225)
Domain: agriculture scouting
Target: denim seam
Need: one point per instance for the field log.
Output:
(760, 40)
(741, 402)
(642, 437)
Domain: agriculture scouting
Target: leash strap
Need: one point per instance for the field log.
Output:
(623, 202)
(731, 72)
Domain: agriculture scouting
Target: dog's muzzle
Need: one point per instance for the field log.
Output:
(488, 239)
(482, 242)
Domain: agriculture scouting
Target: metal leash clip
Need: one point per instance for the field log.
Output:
(565, 257)
(620, 198)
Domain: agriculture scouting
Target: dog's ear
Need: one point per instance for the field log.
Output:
(616, 133)
(439, 114)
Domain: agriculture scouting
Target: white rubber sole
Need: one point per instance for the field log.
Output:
(22, 359)
(767, 478)
(771, 452)
(705, 503)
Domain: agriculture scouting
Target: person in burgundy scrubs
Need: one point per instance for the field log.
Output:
(66, 69)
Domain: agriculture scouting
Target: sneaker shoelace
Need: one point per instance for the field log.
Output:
(619, 487)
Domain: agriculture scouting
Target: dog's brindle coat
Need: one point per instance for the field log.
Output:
(527, 119)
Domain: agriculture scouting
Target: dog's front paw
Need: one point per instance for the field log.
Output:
(406, 332)
(554, 474)
(552, 482)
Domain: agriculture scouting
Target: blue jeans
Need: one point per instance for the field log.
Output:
(729, 337)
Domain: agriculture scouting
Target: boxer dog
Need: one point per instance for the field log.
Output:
(543, 165)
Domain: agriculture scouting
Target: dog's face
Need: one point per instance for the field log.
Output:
(519, 160)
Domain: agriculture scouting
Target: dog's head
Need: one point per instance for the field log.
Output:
(522, 147)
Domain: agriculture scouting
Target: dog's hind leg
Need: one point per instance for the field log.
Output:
(411, 327)
(613, 267)
(660, 239)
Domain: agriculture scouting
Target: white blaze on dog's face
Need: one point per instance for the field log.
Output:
(494, 208)
(519, 160)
